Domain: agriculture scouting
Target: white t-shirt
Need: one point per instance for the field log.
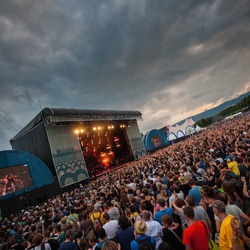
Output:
(111, 228)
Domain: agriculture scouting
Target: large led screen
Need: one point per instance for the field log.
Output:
(14, 178)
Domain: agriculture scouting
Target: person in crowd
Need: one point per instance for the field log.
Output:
(112, 211)
(233, 197)
(140, 235)
(110, 245)
(163, 210)
(194, 191)
(233, 210)
(175, 190)
(237, 234)
(154, 228)
(183, 185)
(97, 214)
(232, 169)
(86, 225)
(92, 242)
(38, 241)
(125, 235)
(110, 226)
(226, 232)
(148, 203)
(172, 232)
(199, 211)
(102, 239)
(208, 198)
(195, 228)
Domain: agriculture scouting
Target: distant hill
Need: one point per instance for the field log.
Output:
(216, 110)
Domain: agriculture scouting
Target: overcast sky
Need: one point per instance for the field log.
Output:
(167, 59)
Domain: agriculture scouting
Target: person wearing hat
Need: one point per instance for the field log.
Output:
(140, 229)
(183, 185)
(226, 231)
(232, 169)
(154, 228)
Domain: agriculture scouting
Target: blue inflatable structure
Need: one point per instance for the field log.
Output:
(21, 172)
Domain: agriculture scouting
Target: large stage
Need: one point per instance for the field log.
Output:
(77, 144)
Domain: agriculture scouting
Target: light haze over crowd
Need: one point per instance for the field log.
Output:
(167, 59)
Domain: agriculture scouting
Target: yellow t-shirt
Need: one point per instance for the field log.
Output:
(234, 167)
(97, 215)
(226, 235)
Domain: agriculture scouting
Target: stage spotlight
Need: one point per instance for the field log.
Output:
(82, 130)
(76, 131)
(94, 128)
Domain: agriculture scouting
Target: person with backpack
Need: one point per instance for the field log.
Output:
(197, 176)
(142, 241)
(97, 218)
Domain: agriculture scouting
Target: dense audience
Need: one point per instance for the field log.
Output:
(198, 186)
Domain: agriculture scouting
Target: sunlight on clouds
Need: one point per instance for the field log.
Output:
(243, 91)
(195, 49)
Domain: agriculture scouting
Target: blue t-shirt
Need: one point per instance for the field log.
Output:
(68, 246)
(125, 237)
(135, 245)
(160, 213)
(195, 192)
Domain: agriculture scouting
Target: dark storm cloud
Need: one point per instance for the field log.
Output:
(163, 58)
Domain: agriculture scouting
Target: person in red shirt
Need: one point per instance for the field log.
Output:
(195, 237)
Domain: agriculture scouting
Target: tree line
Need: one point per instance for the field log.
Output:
(242, 106)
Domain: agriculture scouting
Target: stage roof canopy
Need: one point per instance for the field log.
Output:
(52, 116)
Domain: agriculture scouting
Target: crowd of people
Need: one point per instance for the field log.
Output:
(189, 195)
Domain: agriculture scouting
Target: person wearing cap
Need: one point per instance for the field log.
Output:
(226, 231)
(140, 229)
(232, 169)
(97, 214)
(195, 228)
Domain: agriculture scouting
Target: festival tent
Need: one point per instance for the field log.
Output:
(185, 129)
